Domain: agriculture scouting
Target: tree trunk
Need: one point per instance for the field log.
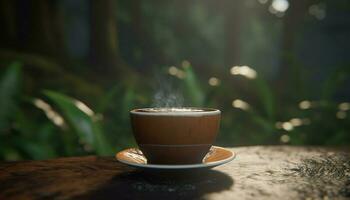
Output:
(40, 28)
(57, 28)
(40, 38)
(291, 23)
(104, 50)
(8, 33)
(232, 27)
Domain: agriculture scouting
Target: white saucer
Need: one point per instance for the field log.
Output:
(215, 157)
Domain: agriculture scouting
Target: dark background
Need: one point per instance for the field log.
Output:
(72, 70)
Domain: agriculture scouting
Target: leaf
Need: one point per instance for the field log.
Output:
(83, 123)
(266, 96)
(35, 149)
(127, 103)
(108, 99)
(9, 89)
(11, 154)
(334, 81)
(193, 88)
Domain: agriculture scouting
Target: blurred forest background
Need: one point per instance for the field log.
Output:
(72, 70)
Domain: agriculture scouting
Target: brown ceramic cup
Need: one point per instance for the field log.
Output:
(176, 135)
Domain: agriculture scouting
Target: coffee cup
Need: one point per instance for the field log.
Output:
(175, 135)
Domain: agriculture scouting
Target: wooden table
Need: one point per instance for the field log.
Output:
(272, 172)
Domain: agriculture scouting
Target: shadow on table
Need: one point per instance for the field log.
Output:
(163, 185)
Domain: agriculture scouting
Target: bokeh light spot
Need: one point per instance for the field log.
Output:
(172, 70)
(213, 81)
(296, 122)
(245, 71)
(318, 11)
(344, 106)
(180, 74)
(238, 103)
(341, 115)
(287, 126)
(280, 5)
(186, 64)
(285, 138)
(305, 104)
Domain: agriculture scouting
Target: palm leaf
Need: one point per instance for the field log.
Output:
(83, 123)
(9, 89)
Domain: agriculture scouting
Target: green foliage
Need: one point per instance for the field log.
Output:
(334, 81)
(39, 137)
(83, 121)
(193, 88)
(266, 96)
(9, 89)
(37, 124)
(67, 126)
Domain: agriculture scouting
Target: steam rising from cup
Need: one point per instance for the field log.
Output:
(167, 99)
(167, 96)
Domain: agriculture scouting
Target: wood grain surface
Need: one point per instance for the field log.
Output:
(260, 172)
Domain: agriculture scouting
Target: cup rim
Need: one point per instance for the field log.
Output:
(205, 112)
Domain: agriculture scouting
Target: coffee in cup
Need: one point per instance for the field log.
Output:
(175, 135)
